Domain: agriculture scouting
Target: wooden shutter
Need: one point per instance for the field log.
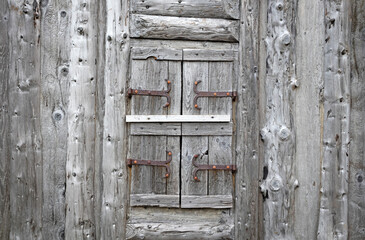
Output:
(212, 141)
(149, 69)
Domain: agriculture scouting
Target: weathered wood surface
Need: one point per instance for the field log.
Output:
(356, 211)
(278, 134)
(55, 63)
(152, 223)
(209, 55)
(333, 215)
(210, 201)
(188, 8)
(156, 53)
(158, 27)
(247, 201)
(163, 129)
(5, 121)
(211, 129)
(80, 162)
(154, 200)
(24, 89)
(178, 118)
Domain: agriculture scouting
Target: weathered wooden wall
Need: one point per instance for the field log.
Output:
(300, 135)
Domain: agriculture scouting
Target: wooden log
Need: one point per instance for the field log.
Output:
(307, 119)
(55, 59)
(80, 163)
(356, 221)
(5, 122)
(157, 27)
(278, 135)
(24, 87)
(188, 8)
(115, 192)
(333, 215)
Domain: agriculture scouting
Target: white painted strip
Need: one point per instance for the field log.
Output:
(178, 118)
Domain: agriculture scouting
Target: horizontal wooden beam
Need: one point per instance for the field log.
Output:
(202, 129)
(203, 29)
(210, 55)
(156, 129)
(188, 8)
(142, 53)
(154, 200)
(178, 118)
(210, 201)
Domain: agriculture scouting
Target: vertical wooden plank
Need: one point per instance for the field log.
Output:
(24, 97)
(80, 164)
(220, 151)
(278, 133)
(307, 121)
(5, 124)
(113, 167)
(357, 131)
(333, 216)
(194, 71)
(247, 123)
(55, 80)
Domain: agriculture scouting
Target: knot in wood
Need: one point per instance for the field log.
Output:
(58, 115)
(275, 184)
(284, 133)
(285, 39)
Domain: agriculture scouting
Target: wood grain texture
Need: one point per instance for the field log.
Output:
(5, 122)
(188, 8)
(307, 121)
(154, 223)
(246, 143)
(211, 129)
(114, 200)
(278, 133)
(154, 200)
(167, 129)
(177, 118)
(356, 220)
(25, 133)
(55, 60)
(333, 215)
(210, 201)
(210, 55)
(139, 53)
(80, 163)
(158, 27)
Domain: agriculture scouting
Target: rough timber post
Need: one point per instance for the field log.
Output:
(278, 133)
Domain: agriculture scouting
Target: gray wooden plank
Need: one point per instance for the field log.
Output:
(80, 162)
(154, 200)
(142, 53)
(55, 82)
(188, 8)
(226, 55)
(208, 201)
(357, 132)
(173, 181)
(24, 85)
(193, 71)
(220, 151)
(333, 215)
(308, 116)
(278, 132)
(5, 122)
(114, 24)
(211, 129)
(166, 129)
(158, 27)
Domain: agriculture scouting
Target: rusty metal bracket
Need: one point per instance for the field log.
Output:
(199, 94)
(209, 167)
(162, 93)
(165, 164)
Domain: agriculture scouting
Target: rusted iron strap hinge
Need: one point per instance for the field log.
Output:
(199, 94)
(165, 164)
(162, 93)
(209, 167)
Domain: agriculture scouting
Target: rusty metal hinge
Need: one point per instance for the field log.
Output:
(163, 93)
(165, 164)
(199, 94)
(209, 167)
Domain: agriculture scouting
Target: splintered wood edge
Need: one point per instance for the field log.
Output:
(178, 118)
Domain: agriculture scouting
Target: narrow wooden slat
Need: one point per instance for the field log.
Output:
(210, 55)
(211, 201)
(208, 29)
(154, 200)
(156, 53)
(188, 8)
(178, 118)
(166, 129)
(211, 129)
